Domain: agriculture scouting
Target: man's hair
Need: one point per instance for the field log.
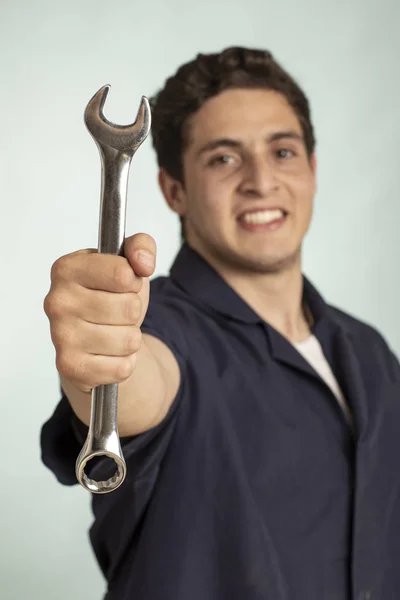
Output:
(206, 76)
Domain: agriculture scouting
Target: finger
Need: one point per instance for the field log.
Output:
(95, 271)
(106, 308)
(90, 370)
(141, 252)
(108, 340)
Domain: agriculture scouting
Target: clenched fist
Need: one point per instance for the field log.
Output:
(96, 305)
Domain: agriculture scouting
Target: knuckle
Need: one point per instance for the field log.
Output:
(74, 367)
(80, 372)
(133, 341)
(132, 308)
(54, 304)
(65, 366)
(124, 369)
(60, 269)
(122, 276)
(71, 366)
(47, 304)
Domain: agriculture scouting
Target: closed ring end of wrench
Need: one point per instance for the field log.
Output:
(95, 486)
(102, 441)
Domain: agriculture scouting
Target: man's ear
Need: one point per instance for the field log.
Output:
(173, 192)
(313, 163)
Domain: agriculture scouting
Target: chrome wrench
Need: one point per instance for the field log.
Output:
(117, 144)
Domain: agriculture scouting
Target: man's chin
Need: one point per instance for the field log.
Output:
(258, 262)
(247, 259)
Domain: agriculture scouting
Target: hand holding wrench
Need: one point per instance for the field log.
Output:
(117, 144)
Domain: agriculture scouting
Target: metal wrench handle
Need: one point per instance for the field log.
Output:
(117, 145)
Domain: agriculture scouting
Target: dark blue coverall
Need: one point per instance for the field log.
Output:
(254, 487)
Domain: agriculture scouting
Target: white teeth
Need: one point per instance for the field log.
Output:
(262, 217)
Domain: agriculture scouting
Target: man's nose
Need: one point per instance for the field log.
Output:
(259, 178)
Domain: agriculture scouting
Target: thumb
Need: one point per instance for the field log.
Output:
(140, 250)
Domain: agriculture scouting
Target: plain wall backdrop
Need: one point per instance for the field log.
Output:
(53, 57)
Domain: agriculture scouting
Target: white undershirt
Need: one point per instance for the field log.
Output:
(312, 351)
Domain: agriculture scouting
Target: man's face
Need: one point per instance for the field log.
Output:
(248, 181)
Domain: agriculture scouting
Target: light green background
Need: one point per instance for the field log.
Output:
(53, 57)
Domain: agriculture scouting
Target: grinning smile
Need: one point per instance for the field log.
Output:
(265, 220)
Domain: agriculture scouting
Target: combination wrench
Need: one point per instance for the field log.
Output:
(117, 144)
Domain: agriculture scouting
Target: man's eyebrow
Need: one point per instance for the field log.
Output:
(231, 143)
(213, 144)
(279, 135)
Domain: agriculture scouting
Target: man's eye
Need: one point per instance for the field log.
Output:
(285, 153)
(221, 159)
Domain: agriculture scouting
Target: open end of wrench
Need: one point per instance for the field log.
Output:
(120, 137)
(101, 487)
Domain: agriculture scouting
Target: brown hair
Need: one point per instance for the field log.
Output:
(206, 76)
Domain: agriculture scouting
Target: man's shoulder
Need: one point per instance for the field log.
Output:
(171, 307)
(166, 293)
(361, 331)
(353, 324)
(157, 284)
(165, 289)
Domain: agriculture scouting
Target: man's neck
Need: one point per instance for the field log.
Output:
(275, 297)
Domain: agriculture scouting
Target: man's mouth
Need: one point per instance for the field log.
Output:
(262, 217)
(262, 220)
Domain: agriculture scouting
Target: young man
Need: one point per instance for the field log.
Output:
(259, 424)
